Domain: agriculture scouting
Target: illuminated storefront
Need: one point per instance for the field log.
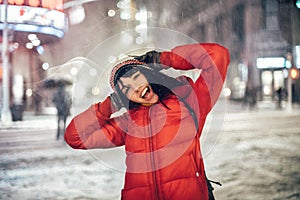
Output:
(41, 17)
(31, 25)
(274, 72)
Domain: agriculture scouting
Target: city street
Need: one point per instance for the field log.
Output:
(254, 156)
(250, 142)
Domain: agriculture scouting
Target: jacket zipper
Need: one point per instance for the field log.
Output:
(196, 168)
(152, 160)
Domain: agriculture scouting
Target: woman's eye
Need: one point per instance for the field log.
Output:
(136, 76)
(126, 90)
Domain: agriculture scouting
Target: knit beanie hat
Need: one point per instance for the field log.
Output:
(115, 73)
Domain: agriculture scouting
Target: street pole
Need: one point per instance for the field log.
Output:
(6, 117)
(289, 93)
(289, 81)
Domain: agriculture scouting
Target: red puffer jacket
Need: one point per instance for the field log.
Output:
(163, 156)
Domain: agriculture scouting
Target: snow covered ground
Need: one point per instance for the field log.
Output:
(255, 156)
(35, 166)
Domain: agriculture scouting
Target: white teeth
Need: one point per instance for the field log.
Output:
(144, 92)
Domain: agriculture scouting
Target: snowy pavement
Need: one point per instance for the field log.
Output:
(255, 155)
(34, 165)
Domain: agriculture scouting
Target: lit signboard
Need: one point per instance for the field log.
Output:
(34, 19)
(50, 4)
(270, 62)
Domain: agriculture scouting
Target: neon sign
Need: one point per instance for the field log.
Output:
(34, 19)
(50, 4)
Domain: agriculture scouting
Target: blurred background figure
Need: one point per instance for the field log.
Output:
(279, 93)
(62, 101)
(250, 98)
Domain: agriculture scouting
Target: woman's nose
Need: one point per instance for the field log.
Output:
(136, 87)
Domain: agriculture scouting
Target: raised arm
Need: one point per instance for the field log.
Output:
(94, 128)
(211, 59)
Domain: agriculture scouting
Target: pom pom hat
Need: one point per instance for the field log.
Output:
(115, 73)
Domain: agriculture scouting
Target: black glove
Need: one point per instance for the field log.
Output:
(152, 58)
(116, 101)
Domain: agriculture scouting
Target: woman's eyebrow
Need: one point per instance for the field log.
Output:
(135, 75)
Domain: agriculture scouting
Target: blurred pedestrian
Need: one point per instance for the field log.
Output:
(37, 102)
(163, 123)
(62, 101)
(246, 97)
(250, 97)
(279, 93)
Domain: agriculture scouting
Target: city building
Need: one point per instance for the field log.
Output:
(262, 37)
(26, 28)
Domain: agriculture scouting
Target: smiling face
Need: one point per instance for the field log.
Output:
(137, 89)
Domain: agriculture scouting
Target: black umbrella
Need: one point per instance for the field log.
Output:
(54, 83)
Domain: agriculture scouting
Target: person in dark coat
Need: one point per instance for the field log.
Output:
(62, 102)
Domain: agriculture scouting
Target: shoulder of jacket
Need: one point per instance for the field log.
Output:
(185, 89)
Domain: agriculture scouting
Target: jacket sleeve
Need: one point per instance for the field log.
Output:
(211, 59)
(94, 128)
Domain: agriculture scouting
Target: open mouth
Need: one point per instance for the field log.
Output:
(145, 92)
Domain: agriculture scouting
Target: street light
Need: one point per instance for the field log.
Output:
(298, 3)
(294, 73)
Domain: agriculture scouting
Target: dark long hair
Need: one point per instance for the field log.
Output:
(160, 83)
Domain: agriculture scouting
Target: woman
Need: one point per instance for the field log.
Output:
(163, 123)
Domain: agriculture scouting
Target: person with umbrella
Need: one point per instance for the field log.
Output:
(62, 101)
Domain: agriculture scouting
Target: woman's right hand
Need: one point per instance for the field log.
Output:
(152, 59)
(116, 101)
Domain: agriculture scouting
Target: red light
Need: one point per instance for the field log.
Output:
(34, 3)
(294, 73)
(50, 4)
(19, 2)
(22, 11)
(1, 72)
(16, 2)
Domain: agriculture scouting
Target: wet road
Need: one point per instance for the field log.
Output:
(255, 155)
(34, 165)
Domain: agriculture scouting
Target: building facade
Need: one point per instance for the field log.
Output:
(261, 35)
(253, 31)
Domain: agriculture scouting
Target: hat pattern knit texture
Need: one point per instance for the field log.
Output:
(115, 70)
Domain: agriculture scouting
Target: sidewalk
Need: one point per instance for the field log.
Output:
(262, 106)
(253, 153)
(48, 121)
(32, 121)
